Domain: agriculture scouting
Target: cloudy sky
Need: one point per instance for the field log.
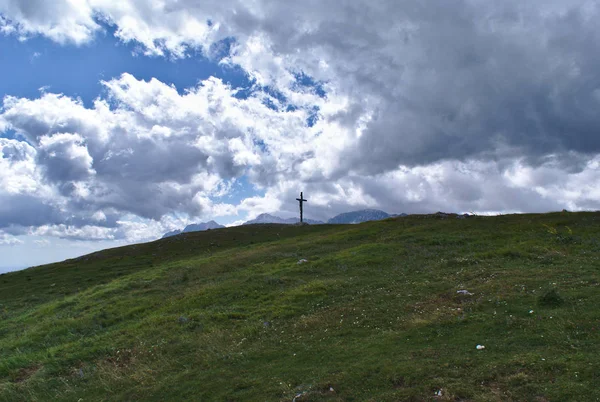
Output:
(123, 119)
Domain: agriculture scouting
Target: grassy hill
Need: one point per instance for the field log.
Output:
(374, 314)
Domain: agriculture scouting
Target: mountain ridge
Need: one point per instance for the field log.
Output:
(363, 215)
(352, 217)
(194, 227)
(268, 218)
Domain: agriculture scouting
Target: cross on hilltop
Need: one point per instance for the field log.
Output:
(301, 200)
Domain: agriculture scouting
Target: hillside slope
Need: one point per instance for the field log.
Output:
(373, 314)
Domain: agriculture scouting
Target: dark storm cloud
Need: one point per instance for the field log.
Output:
(64, 158)
(26, 210)
(21, 211)
(468, 80)
(442, 80)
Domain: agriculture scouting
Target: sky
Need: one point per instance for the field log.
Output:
(121, 120)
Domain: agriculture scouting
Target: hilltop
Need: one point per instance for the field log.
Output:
(386, 310)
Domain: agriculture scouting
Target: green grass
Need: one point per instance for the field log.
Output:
(229, 315)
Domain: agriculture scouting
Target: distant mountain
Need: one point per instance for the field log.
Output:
(267, 218)
(173, 233)
(364, 215)
(198, 227)
(195, 227)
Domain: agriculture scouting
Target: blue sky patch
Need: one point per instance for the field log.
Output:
(306, 81)
(77, 71)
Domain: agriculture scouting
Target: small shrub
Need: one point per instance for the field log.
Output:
(551, 299)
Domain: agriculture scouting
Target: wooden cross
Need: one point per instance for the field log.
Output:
(301, 200)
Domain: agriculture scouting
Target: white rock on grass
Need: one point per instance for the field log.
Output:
(480, 347)
(302, 261)
(465, 292)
